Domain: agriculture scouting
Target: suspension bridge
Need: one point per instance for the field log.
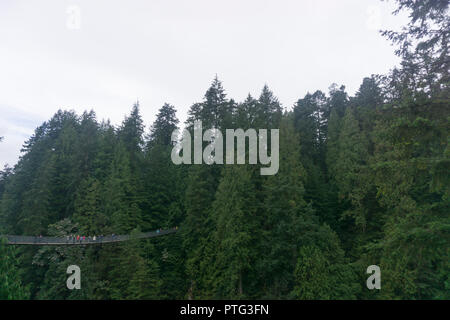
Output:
(73, 240)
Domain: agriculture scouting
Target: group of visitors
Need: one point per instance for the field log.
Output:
(81, 239)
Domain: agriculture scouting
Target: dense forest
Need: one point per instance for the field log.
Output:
(363, 180)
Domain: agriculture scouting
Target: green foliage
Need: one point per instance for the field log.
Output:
(11, 286)
(235, 213)
(362, 180)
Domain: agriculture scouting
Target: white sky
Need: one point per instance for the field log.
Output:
(115, 52)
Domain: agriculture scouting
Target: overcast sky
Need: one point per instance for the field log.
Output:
(104, 55)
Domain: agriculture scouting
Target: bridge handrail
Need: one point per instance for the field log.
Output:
(70, 240)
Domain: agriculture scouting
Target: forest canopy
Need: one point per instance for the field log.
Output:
(363, 180)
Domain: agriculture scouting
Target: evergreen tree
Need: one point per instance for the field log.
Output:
(133, 276)
(350, 164)
(198, 226)
(11, 287)
(161, 131)
(283, 205)
(121, 202)
(235, 211)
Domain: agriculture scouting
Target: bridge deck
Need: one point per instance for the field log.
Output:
(64, 241)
